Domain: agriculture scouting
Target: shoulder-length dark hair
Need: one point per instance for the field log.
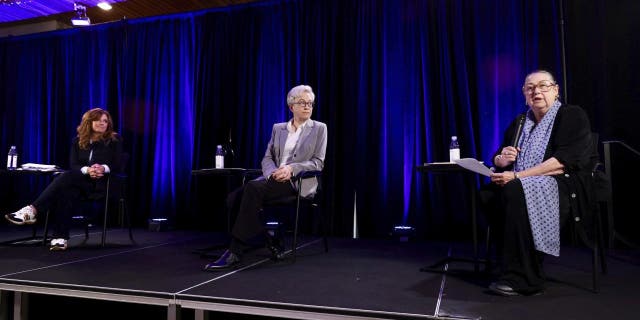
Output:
(85, 129)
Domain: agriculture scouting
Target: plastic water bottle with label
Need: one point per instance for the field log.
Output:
(454, 149)
(219, 157)
(12, 158)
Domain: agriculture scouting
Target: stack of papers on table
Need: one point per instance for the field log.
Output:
(39, 167)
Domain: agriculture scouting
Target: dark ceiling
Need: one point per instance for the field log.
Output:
(35, 11)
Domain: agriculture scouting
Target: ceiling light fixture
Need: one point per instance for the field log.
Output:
(80, 19)
(104, 5)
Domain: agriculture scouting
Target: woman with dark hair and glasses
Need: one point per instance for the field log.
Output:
(95, 151)
(295, 146)
(542, 179)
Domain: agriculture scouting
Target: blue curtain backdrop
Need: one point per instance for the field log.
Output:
(394, 80)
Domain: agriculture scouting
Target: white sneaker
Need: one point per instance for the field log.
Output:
(58, 244)
(26, 215)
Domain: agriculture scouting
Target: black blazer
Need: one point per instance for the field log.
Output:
(109, 153)
(571, 143)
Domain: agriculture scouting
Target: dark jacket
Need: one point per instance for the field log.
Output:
(104, 152)
(571, 144)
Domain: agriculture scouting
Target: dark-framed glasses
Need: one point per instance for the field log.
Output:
(544, 86)
(303, 103)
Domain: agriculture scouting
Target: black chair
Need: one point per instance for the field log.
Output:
(115, 191)
(599, 197)
(299, 203)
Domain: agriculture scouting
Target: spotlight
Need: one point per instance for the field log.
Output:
(159, 224)
(273, 227)
(403, 233)
(80, 19)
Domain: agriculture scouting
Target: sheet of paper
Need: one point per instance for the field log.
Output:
(474, 165)
(39, 167)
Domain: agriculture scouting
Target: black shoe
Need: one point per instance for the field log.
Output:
(502, 289)
(275, 247)
(227, 260)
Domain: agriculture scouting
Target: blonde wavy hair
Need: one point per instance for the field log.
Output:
(85, 129)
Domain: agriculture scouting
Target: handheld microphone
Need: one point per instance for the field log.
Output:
(516, 138)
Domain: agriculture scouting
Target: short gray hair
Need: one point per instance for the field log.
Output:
(540, 71)
(297, 91)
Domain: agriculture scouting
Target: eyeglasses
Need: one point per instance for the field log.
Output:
(544, 86)
(304, 104)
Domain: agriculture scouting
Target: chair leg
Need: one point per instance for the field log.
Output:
(106, 212)
(598, 251)
(487, 251)
(324, 227)
(121, 213)
(126, 216)
(104, 224)
(46, 229)
(603, 261)
(600, 243)
(295, 227)
(595, 258)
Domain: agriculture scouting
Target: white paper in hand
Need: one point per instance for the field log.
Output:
(474, 165)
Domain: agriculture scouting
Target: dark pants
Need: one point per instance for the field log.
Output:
(506, 210)
(246, 203)
(61, 194)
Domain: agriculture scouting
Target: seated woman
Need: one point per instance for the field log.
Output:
(95, 151)
(543, 178)
(296, 145)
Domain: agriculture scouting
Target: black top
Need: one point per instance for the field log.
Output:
(570, 140)
(570, 143)
(102, 152)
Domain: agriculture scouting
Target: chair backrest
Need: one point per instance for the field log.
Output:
(124, 161)
(116, 183)
(319, 190)
(601, 185)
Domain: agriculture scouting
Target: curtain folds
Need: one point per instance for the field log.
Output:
(394, 79)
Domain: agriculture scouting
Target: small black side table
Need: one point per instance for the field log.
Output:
(20, 173)
(228, 173)
(453, 168)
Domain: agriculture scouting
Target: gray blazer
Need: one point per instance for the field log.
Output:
(308, 154)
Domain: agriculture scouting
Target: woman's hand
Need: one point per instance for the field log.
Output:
(96, 171)
(507, 156)
(502, 178)
(282, 174)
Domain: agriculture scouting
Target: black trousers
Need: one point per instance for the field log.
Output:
(246, 203)
(506, 209)
(61, 194)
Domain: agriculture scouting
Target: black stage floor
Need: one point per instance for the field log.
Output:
(161, 277)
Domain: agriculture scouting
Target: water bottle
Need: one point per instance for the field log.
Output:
(454, 149)
(219, 157)
(12, 158)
